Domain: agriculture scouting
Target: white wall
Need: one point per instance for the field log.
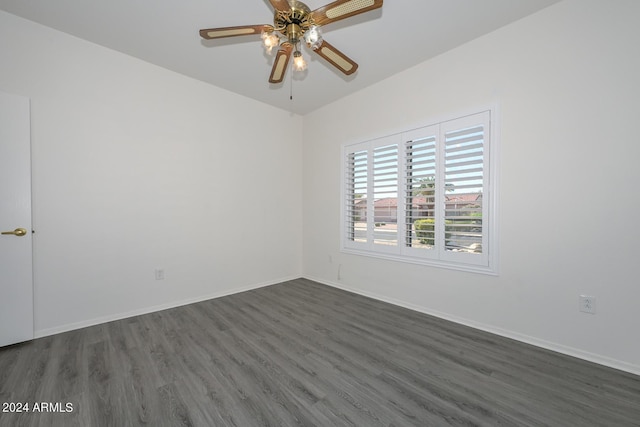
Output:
(137, 168)
(566, 82)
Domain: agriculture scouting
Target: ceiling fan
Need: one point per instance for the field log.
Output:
(293, 22)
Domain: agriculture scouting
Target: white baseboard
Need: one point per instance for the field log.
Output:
(145, 310)
(559, 348)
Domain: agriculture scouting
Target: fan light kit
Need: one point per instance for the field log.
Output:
(293, 23)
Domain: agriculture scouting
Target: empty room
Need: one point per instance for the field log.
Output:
(347, 213)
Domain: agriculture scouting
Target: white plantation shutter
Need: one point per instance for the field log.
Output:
(423, 195)
(463, 142)
(356, 196)
(420, 158)
(385, 195)
(463, 174)
(371, 195)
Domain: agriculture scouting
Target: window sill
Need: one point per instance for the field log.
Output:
(469, 268)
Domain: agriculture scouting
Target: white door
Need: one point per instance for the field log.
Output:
(16, 274)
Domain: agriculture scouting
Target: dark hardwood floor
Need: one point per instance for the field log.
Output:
(301, 353)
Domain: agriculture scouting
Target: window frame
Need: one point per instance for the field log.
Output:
(485, 262)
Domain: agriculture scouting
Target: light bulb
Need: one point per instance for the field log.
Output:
(299, 64)
(269, 40)
(313, 37)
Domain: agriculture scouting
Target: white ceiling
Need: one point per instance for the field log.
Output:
(383, 42)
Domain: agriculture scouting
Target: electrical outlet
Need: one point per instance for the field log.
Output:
(159, 274)
(588, 304)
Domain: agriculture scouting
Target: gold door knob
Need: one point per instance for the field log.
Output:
(16, 232)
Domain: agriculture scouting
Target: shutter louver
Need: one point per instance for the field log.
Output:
(463, 186)
(385, 195)
(356, 203)
(420, 174)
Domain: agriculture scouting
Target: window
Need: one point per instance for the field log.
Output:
(423, 195)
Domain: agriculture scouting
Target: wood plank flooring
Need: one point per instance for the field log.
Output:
(301, 353)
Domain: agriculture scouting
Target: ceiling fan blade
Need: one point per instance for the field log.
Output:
(341, 9)
(336, 58)
(281, 5)
(242, 30)
(280, 63)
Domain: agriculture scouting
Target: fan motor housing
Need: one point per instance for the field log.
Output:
(294, 22)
